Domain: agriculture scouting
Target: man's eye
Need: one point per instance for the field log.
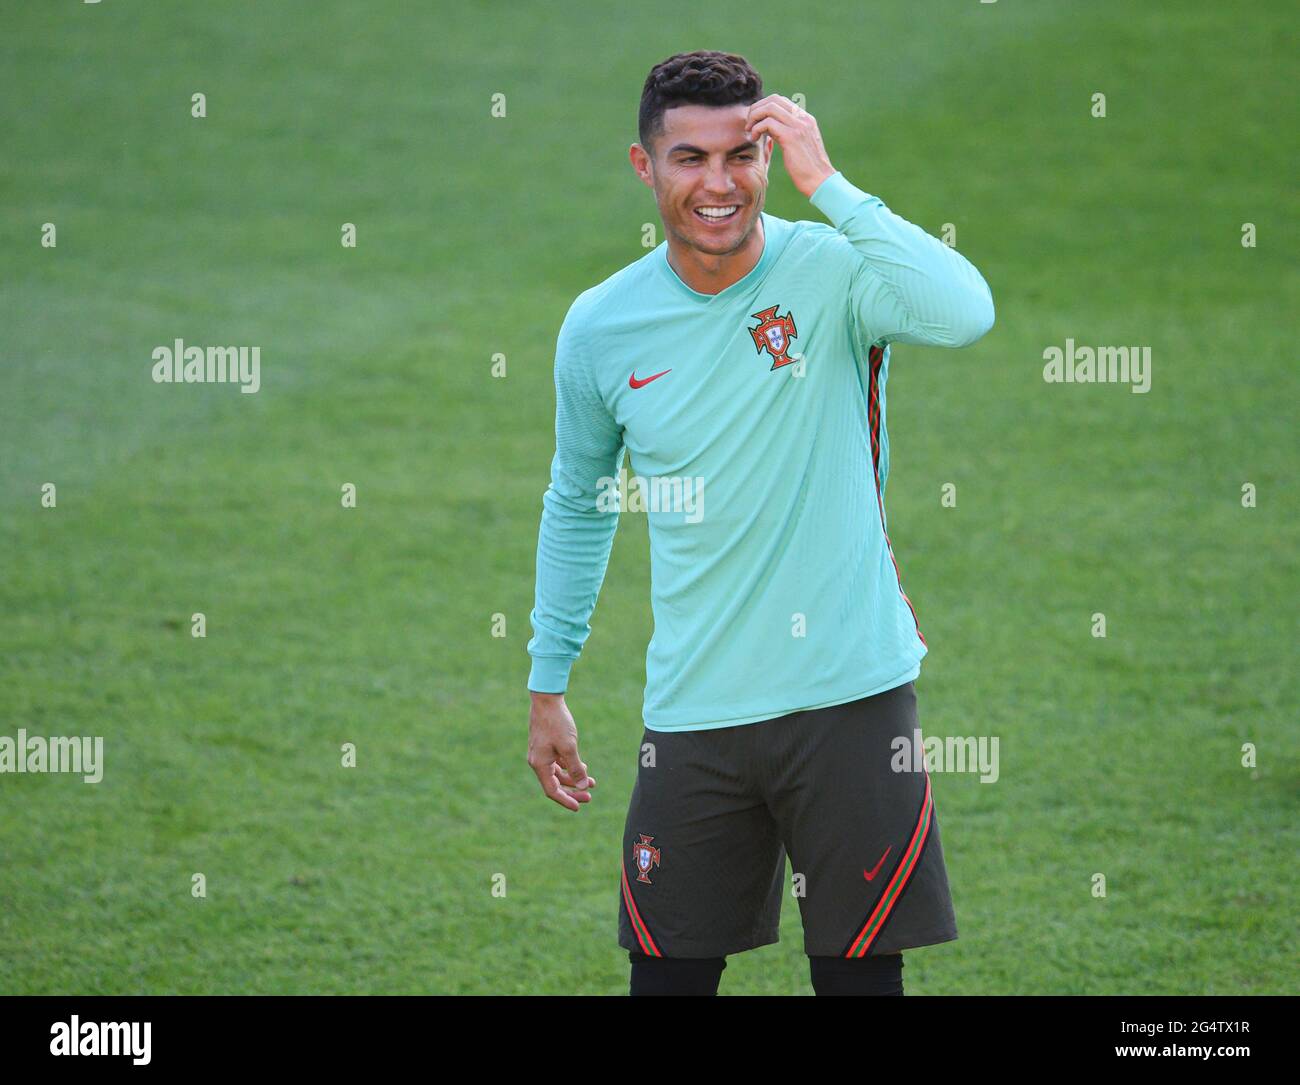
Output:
(746, 156)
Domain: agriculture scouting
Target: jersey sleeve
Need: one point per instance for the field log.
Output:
(578, 518)
(907, 286)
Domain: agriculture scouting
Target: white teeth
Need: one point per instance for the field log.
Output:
(715, 212)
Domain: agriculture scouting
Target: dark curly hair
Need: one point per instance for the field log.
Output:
(700, 78)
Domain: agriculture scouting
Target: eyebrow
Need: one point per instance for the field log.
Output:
(680, 147)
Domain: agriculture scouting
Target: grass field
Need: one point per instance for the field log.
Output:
(373, 625)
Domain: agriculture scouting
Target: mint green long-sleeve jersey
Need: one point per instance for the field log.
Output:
(754, 422)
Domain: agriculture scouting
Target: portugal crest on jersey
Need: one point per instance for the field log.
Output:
(773, 335)
(646, 857)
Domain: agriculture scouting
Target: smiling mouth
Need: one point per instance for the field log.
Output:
(716, 215)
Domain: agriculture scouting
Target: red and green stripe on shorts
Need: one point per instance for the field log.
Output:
(643, 937)
(906, 866)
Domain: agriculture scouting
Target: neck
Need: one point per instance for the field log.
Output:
(710, 273)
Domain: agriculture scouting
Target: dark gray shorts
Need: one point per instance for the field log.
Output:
(714, 813)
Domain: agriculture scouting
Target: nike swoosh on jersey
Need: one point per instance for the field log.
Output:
(634, 383)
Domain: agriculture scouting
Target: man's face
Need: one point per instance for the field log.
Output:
(702, 159)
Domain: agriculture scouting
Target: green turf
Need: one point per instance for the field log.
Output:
(373, 625)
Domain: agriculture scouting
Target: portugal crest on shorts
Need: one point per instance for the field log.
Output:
(773, 335)
(646, 857)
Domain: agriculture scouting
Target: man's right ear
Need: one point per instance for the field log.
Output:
(643, 163)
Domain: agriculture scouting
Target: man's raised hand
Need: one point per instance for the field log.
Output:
(795, 131)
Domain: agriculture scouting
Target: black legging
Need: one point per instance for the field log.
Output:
(880, 975)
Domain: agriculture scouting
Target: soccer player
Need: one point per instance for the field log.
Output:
(741, 365)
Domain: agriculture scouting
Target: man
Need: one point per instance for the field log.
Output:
(745, 359)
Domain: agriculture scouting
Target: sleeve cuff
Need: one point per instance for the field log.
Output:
(837, 198)
(549, 674)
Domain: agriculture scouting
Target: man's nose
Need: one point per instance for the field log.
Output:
(719, 179)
